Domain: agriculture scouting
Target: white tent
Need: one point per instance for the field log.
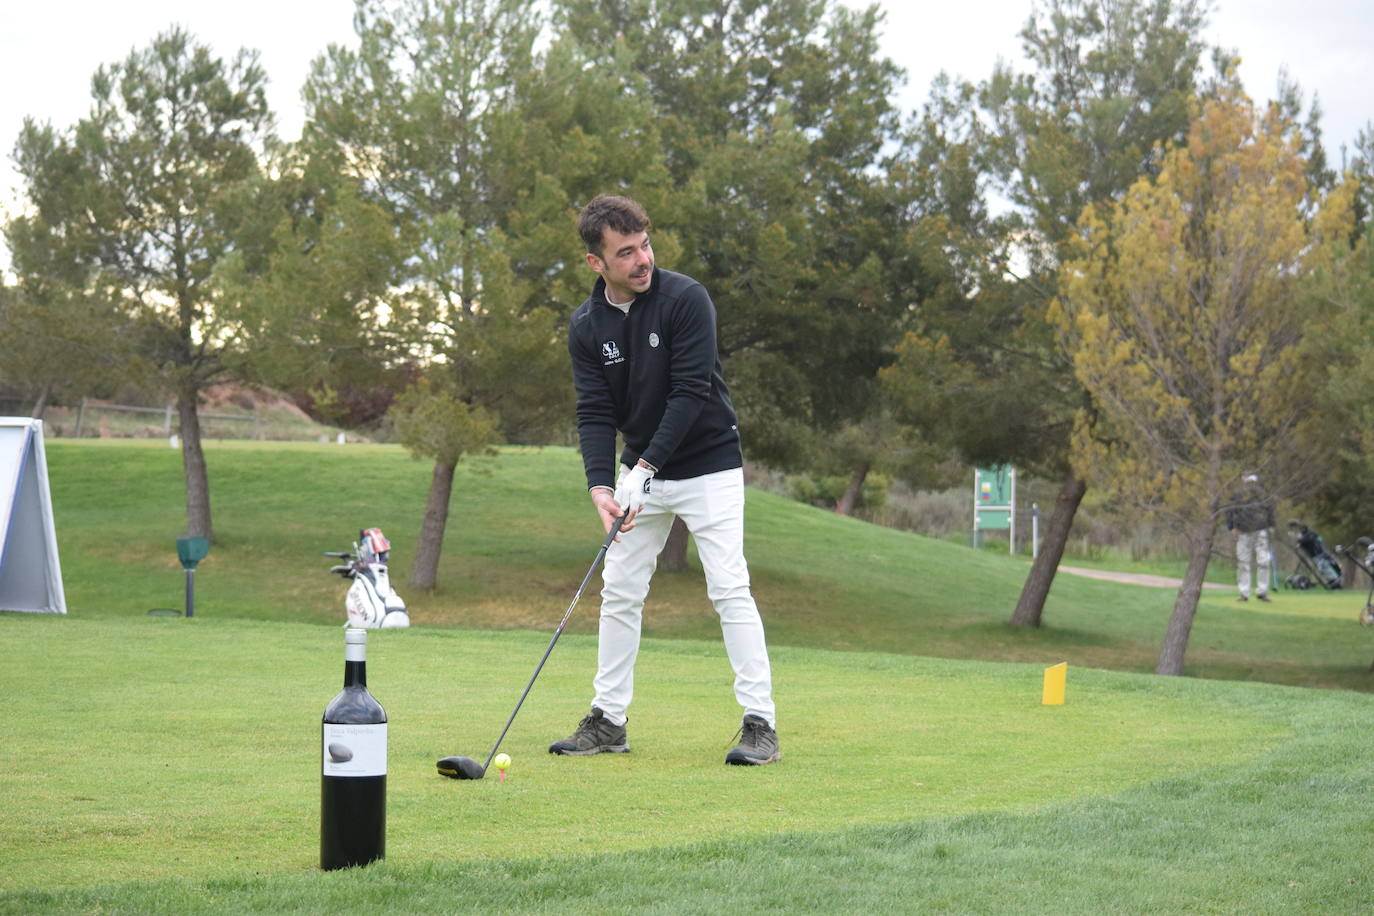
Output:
(30, 573)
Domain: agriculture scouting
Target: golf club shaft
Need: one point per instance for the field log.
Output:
(605, 546)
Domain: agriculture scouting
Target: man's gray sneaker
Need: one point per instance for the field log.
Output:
(594, 734)
(758, 744)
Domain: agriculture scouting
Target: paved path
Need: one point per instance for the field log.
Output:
(1132, 578)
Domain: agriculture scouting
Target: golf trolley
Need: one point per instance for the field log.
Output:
(1361, 553)
(371, 602)
(1313, 557)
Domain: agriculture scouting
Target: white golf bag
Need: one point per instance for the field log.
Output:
(371, 602)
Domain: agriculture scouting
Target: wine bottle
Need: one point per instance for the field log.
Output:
(353, 775)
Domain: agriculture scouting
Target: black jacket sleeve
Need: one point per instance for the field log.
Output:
(596, 421)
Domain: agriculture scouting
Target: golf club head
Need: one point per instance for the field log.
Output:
(466, 767)
(460, 768)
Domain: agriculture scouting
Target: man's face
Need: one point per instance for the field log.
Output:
(626, 263)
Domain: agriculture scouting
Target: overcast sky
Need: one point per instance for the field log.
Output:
(50, 48)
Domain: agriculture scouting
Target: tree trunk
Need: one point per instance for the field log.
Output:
(673, 556)
(1350, 573)
(850, 499)
(1037, 588)
(40, 404)
(1185, 605)
(193, 464)
(425, 571)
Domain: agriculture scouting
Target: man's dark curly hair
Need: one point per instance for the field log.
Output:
(622, 214)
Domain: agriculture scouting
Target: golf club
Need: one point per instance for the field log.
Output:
(466, 767)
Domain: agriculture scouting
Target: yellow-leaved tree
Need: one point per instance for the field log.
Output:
(1183, 315)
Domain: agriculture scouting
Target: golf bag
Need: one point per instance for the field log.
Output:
(1312, 557)
(371, 602)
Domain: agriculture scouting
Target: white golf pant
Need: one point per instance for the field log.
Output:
(712, 507)
(1256, 543)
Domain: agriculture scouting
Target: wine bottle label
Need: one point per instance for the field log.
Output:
(354, 750)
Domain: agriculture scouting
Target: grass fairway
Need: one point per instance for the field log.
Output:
(521, 533)
(174, 765)
(165, 765)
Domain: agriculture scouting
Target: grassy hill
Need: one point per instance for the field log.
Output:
(172, 766)
(521, 534)
(164, 765)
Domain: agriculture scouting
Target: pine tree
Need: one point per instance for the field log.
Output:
(140, 201)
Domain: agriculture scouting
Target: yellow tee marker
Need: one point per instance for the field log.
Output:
(1055, 678)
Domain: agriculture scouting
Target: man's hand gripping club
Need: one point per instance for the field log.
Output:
(627, 498)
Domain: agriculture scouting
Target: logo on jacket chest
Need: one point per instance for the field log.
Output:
(611, 353)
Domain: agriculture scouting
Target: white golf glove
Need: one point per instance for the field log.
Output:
(632, 487)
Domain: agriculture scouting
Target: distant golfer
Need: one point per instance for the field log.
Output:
(645, 363)
(1249, 519)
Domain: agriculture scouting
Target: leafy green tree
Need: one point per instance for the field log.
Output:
(776, 120)
(143, 193)
(479, 150)
(1341, 309)
(1109, 82)
(1362, 168)
(436, 424)
(1178, 313)
(1112, 80)
(407, 116)
(313, 293)
(59, 337)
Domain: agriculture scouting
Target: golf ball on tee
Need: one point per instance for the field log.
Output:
(502, 761)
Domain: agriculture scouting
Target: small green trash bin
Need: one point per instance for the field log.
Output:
(191, 550)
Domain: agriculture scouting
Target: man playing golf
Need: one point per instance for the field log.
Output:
(645, 364)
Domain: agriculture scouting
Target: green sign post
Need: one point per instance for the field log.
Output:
(994, 502)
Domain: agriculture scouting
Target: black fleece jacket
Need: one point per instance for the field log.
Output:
(654, 375)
